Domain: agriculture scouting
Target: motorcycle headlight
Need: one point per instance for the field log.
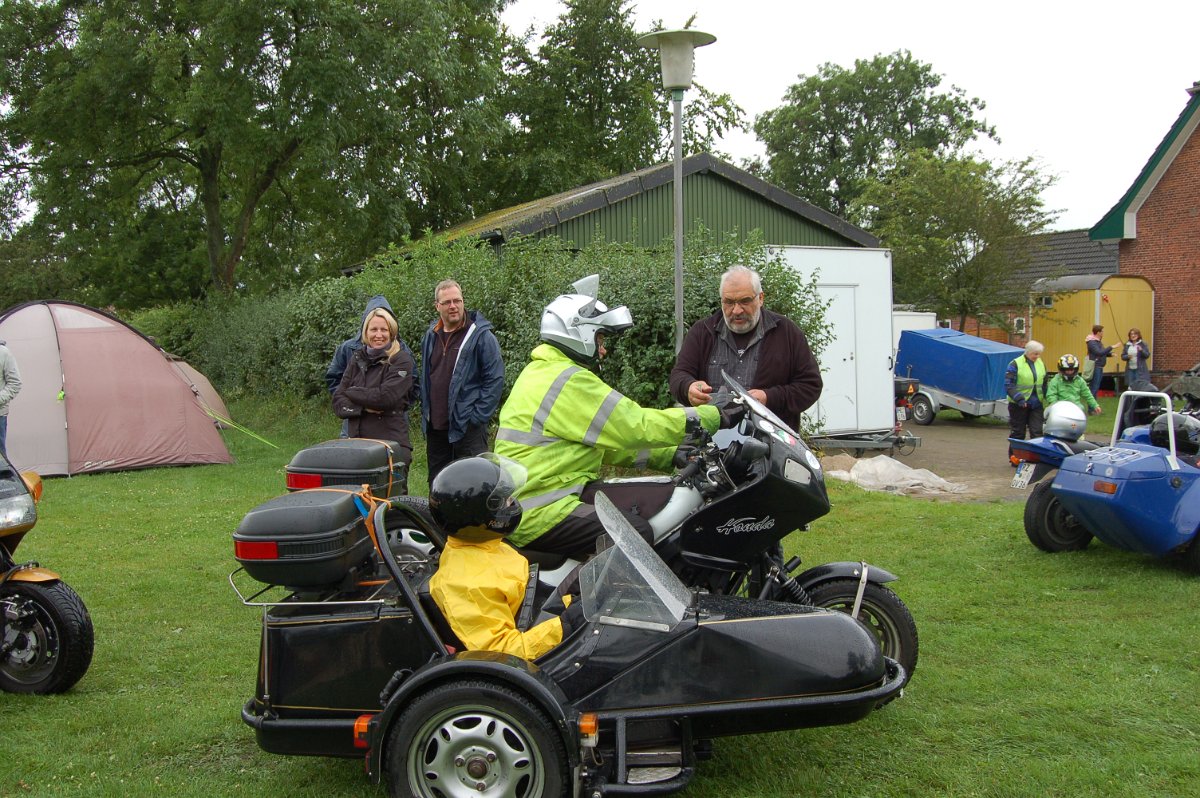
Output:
(17, 511)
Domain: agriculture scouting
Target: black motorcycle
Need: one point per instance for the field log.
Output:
(726, 513)
(46, 633)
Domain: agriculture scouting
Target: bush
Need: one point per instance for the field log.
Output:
(281, 345)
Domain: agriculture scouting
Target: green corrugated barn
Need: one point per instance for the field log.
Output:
(637, 208)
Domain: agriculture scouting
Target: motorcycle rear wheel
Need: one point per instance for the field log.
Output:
(881, 611)
(1049, 526)
(47, 637)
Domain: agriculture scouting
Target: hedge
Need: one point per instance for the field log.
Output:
(280, 345)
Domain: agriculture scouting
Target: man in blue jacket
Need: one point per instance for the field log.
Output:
(346, 349)
(462, 377)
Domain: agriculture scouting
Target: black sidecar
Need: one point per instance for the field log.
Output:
(369, 668)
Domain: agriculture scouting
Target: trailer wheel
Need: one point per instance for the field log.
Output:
(474, 737)
(922, 410)
(1049, 526)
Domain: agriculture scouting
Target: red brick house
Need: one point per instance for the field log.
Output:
(1156, 226)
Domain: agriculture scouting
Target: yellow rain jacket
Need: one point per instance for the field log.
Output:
(563, 423)
(479, 587)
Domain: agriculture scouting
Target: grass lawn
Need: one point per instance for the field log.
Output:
(1040, 675)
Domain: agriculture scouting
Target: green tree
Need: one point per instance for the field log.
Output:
(839, 129)
(951, 223)
(294, 135)
(587, 104)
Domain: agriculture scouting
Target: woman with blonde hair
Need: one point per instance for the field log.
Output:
(373, 393)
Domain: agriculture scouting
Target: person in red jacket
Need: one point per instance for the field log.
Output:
(762, 350)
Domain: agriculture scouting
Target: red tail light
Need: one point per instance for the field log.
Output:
(1024, 455)
(256, 549)
(303, 481)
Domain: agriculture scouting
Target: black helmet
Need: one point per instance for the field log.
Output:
(473, 498)
(1187, 433)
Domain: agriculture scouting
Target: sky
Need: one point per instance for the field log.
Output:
(1088, 89)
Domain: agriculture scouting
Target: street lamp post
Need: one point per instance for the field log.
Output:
(676, 49)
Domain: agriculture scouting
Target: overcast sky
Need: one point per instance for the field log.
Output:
(1089, 89)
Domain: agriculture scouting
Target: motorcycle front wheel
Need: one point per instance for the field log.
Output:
(47, 637)
(881, 611)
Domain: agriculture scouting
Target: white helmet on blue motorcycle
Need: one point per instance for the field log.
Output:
(1065, 421)
(572, 321)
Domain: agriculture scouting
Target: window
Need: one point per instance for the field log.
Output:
(1018, 325)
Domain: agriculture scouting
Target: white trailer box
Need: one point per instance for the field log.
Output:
(858, 397)
(910, 320)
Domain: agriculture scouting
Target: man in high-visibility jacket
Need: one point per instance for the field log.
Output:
(1024, 382)
(562, 423)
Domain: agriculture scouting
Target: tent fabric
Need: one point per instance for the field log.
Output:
(955, 362)
(97, 395)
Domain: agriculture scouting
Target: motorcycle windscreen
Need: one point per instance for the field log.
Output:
(627, 584)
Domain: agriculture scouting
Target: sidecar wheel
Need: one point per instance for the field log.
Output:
(475, 737)
(48, 635)
(883, 613)
(1191, 557)
(1049, 526)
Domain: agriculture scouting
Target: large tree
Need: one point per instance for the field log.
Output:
(586, 104)
(291, 134)
(951, 223)
(839, 129)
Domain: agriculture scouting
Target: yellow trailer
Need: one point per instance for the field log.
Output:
(1063, 311)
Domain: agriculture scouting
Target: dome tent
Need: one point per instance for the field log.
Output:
(97, 395)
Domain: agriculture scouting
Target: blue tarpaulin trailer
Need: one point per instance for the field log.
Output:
(956, 370)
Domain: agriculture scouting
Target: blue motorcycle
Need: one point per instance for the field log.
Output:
(1140, 492)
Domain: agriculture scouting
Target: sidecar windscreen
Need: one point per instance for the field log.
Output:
(627, 584)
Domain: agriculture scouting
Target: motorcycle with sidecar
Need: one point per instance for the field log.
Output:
(46, 634)
(1141, 492)
(718, 522)
(357, 661)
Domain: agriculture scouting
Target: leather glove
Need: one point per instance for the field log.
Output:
(682, 455)
(572, 618)
(731, 415)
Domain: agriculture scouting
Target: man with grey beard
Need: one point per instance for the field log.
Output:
(764, 351)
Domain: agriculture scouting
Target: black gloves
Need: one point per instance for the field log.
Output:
(572, 618)
(682, 455)
(731, 415)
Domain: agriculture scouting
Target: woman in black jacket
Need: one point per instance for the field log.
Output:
(373, 393)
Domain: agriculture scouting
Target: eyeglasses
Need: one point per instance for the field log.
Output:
(744, 302)
(448, 302)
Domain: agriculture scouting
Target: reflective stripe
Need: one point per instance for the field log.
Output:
(643, 459)
(530, 502)
(601, 418)
(524, 438)
(543, 411)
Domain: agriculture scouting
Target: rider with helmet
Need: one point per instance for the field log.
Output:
(562, 422)
(481, 581)
(1067, 386)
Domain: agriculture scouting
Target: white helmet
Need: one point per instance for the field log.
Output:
(1065, 421)
(572, 321)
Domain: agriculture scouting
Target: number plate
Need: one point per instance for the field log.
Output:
(902, 414)
(1024, 472)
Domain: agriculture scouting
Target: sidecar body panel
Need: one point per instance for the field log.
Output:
(1134, 497)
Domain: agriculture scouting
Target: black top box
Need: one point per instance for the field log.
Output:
(306, 539)
(350, 462)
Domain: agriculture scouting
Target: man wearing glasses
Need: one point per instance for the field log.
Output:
(461, 381)
(762, 350)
